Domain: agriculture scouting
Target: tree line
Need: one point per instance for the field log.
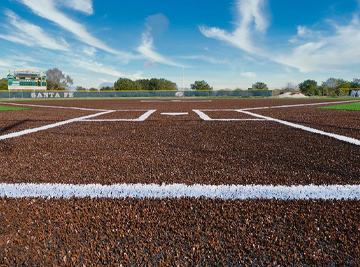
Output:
(3, 84)
(330, 87)
(57, 80)
(153, 84)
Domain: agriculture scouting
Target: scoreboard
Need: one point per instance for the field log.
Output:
(26, 80)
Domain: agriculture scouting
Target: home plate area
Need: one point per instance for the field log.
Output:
(226, 182)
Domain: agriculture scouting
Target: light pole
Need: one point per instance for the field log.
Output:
(183, 82)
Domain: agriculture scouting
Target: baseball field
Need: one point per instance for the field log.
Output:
(179, 182)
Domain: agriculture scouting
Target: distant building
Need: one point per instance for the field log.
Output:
(26, 80)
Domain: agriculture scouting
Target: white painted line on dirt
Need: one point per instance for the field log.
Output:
(202, 115)
(110, 120)
(146, 115)
(174, 113)
(49, 126)
(141, 118)
(302, 105)
(169, 101)
(308, 129)
(132, 110)
(231, 192)
(238, 119)
(44, 106)
(205, 117)
(219, 109)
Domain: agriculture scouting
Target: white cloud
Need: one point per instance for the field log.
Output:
(47, 9)
(4, 63)
(84, 6)
(302, 30)
(249, 74)
(146, 47)
(308, 51)
(89, 50)
(334, 51)
(31, 35)
(101, 68)
(208, 59)
(250, 13)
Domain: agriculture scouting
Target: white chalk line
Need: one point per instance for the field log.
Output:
(49, 126)
(285, 106)
(156, 191)
(308, 129)
(302, 105)
(143, 117)
(206, 117)
(350, 140)
(148, 113)
(174, 113)
(172, 101)
(44, 106)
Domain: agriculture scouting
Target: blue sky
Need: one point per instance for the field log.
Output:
(229, 44)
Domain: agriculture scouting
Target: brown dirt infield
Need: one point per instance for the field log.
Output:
(179, 149)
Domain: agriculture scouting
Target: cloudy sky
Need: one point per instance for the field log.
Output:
(229, 44)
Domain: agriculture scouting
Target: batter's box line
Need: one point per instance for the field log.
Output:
(294, 125)
(206, 117)
(143, 117)
(164, 191)
(305, 128)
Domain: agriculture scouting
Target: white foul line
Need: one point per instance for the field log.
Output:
(308, 129)
(156, 191)
(49, 126)
(44, 106)
(303, 105)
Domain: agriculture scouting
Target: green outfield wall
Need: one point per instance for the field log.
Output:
(72, 94)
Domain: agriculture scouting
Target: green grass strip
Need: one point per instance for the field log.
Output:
(350, 106)
(10, 108)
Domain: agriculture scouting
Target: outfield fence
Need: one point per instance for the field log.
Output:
(85, 94)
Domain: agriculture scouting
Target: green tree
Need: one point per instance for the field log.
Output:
(259, 85)
(332, 86)
(343, 83)
(144, 84)
(161, 85)
(168, 85)
(344, 86)
(3, 84)
(152, 84)
(355, 83)
(93, 89)
(323, 90)
(309, 87)
(201, 86)
(125, 84)
(289, 88)
(80, 88)
(56, 80)
(107, 88)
